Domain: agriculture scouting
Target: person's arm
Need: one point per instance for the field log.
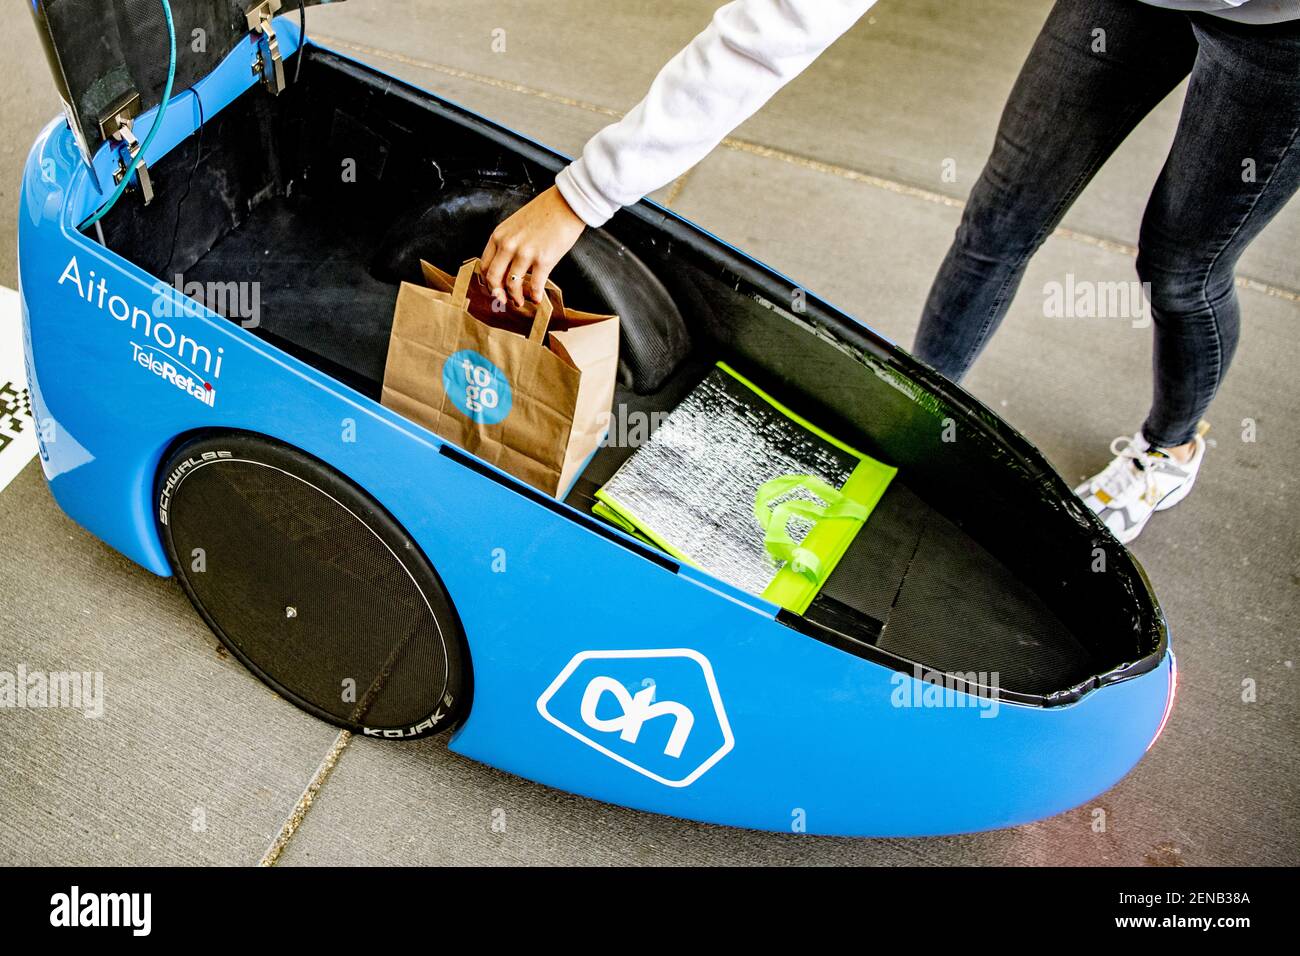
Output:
(749, 51)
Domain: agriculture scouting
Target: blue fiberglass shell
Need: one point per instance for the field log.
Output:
(787, 731)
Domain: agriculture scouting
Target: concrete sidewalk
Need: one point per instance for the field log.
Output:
(839, 183)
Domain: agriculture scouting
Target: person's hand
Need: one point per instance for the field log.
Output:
(528, 245)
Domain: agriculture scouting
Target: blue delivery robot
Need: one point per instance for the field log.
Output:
(210, 245)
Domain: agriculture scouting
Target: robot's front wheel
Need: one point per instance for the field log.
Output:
(313, 585)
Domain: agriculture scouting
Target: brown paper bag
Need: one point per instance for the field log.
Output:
(528, 390)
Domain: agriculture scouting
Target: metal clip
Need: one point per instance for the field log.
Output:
(268, 65)
(118, 127)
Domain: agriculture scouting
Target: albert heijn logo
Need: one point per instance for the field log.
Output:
(658, 712)
(477, 387)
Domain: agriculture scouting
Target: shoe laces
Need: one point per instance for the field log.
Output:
(1131, 465)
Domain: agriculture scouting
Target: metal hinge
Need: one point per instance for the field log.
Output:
(117, 126)
(269, 65)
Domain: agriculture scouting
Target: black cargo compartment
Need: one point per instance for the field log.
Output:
(976, 560)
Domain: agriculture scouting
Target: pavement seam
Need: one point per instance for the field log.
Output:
(299, 812)
(769, 152)
(675, 190)
(460, 74)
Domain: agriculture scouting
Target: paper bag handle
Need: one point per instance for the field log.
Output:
(543, 311)
(460, 289)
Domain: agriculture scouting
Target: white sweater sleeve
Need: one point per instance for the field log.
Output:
(749, 51)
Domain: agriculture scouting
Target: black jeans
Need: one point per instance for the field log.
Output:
(1234, 163)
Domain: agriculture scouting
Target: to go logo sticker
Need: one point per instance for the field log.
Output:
(477, 387)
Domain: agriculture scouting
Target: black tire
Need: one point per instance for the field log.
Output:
(310, 583)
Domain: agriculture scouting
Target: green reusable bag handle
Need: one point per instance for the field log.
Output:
(775, 520)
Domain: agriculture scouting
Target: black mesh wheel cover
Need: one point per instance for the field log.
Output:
(288, 531)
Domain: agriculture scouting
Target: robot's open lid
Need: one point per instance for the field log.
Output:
(109, 57)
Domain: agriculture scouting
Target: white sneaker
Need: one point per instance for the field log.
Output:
(1139, 482)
